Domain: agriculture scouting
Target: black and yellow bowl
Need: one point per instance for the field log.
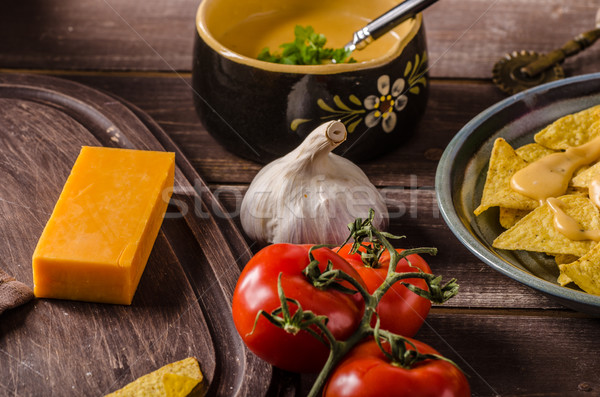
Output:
(261, 110)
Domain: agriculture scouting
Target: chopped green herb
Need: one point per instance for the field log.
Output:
(306, 49)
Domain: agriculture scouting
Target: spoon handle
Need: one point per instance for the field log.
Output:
(383, 24)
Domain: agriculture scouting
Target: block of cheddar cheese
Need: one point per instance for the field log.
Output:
(98, 239)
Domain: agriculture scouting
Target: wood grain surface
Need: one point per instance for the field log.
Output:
(465, 37)
(185, 293)
(511, 340)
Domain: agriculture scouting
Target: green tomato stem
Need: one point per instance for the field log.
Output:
(338, 349)
(399, 356)
(331, 278)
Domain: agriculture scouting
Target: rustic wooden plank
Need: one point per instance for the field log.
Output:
(169, 101)
(117, 35)
(507, 354)
(510, 339)
(75, 348)
(465, 37)
(407, 185)
(415, 215)
(522, 355)
(107, 347)
(79, 348)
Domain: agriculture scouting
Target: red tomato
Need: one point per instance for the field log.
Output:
(365, 371)
(257, 289)
(401, 311)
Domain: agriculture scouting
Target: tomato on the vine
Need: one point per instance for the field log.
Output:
(400, 310)
(257, 290)
(365, 371)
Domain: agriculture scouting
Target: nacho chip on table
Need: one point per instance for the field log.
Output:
(179, 385)
(179, 379)
(571, 130)
(536, 231)
(504, 162)
(585, 272)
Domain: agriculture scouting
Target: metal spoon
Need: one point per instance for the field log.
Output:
(386, 22)
(519, 71)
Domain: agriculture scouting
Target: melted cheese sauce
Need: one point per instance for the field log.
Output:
(568, 226)
(548, 178)
(550, 175)
(337, 20)
(594, 191)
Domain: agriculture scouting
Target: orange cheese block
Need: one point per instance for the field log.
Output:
(96, 243)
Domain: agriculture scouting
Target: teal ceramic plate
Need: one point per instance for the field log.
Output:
(462, 170)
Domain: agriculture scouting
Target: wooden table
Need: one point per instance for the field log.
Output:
(511, 340)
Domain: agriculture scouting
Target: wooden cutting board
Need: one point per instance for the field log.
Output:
(183, 303)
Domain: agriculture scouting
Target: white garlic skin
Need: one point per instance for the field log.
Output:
(310, 195)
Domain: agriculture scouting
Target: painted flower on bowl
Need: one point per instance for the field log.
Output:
(382, 107)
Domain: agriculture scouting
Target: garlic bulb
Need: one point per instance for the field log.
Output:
(310, 195)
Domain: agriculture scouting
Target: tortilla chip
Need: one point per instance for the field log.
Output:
(178, 385)
(581, 169)
(161, 383)
(585, 272)
(581, 191)
(509, 216)
(563, 259)
(533, 152)
(562, 278)
(504, 162)
(536, 231)
(583, 179)
(571, 130)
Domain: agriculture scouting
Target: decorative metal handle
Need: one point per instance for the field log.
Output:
(555, 57)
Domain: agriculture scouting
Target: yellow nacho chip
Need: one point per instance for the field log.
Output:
(585, 272)
(509, 216)
(562, 259)
(583, 179)
(533, 229)
(563, 279)
(571, 130)
(504, 162)
(533, 152)
(582, 191)
(160, 383)
(579, 170)
(178, 385)
(536, 231)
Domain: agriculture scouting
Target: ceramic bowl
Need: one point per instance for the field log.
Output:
(261, 110)
(463, 168)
